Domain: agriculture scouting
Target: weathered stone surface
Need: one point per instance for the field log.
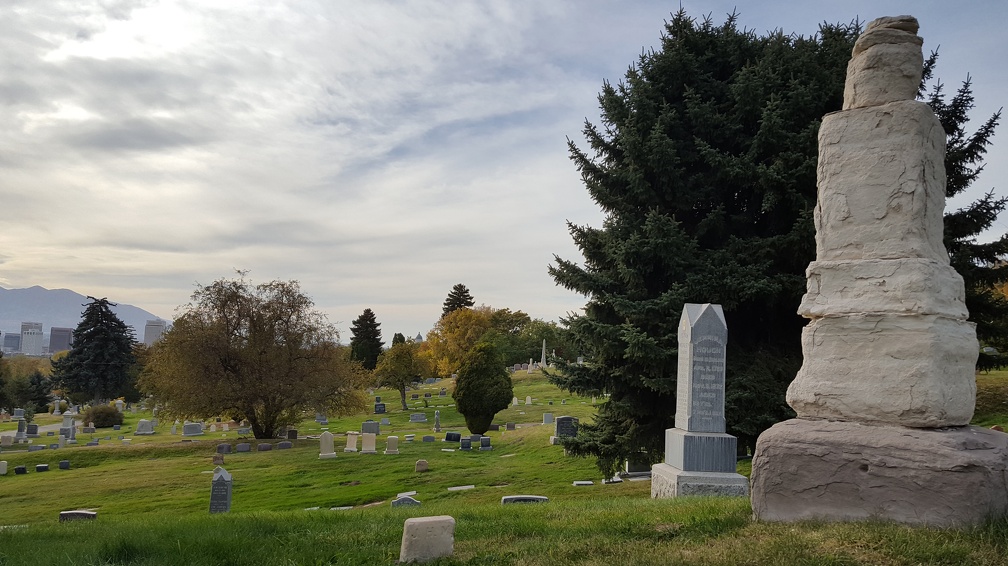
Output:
(842, 471)
(427, 538)
(881, 179)
(668, 481)
(886, 63)
(897, 286)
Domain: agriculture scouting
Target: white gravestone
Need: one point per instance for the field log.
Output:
(351, 441)
(144, 427)
(393, 445)
(368, 440)
(326, 446)
(427, 538)
(700, 459)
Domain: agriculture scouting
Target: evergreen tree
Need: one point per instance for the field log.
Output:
(458, 298)
(483, 387)
(100, 360)
(365, 341)
(981, 264)
(705, 167)
(398, 338)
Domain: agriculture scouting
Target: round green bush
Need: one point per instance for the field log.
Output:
(103, 416)
(483, 387)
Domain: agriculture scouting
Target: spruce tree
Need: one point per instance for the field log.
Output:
(398, 338)
(705, 167)
(982, 265)
(365, 341)
(458, 298)
(100, 360)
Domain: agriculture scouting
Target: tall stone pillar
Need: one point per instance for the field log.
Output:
(887, 386)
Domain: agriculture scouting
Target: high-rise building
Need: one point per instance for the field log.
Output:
(11, 343)
(31, 339)
(154, 330)
(60, 339)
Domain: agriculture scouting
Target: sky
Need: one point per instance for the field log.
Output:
(377, 152)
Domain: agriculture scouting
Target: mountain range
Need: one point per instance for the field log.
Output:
(58, 307)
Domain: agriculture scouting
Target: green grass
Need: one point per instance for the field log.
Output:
(152, 499)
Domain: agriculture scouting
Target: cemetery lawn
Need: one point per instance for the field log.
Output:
(152, 499)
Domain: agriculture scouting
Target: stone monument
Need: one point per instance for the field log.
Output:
(220, 491)
(886, 391)
(326, 446)
(700, 458)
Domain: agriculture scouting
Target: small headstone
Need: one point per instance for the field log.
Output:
(20, 470)
(418, 417)
(414, 396)
(144, 427)
(566, 426)
(461, 487)
(393, 445)
(495, 427)
(225, 427)
(192, 429)
(89, 429)
(547, 418)
(405, 501)
(63, 465)
(50, 433)
(466, 444)
(443, 392)
(379, 408)
(243, 447)
(385, 421)
(285, 445)
(427, 538)
(410, 437)
(36, 447)
(437, 421)
(377, 399)
(327, 448)
(509, 426)
(120, 405)
(264, 447)
(218, 459)
(427, 395)
(485, 443)
(213, 427)
(514, 401)
(3, 467)
(351, 441)
(292, 434)
(528, 400)
(368, 441)
(224, 448)
(453, 437)
(428, 438)
(77, 515)
(244, 431)
(174, 428)
(370, 427)
(508, 499)
(41, 467)
(31, 430)
(6, 441)
(116, 427)
(563, 401)
(583, 483)
(220, 491)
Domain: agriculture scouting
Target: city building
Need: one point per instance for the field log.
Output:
(31, 339)
(11, 343)
(60, 339)
(154, 330)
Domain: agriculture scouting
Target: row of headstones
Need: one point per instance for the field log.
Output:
(197, 428)
(21, 470)
(369, 442)
(225, 448)
(528, 401)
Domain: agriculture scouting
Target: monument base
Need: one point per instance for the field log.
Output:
(327, 456)
(845, 471)
(668, 481)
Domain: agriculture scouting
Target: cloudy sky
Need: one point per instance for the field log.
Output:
(378, 152)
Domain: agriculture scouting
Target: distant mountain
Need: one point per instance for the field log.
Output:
(58, 307)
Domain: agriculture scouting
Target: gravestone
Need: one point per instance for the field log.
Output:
(225, 427)
(174, 428)
(563, 427)
(218, 459)
(224, 448)
(192, 429)
(379, 408)
(547, 418)
(418, 418)
(385, 421)
(427, 538)
(327, 448)
(292, 434)
(377, 399)
(415, 396)
(220, 491)
(453, 437)
(405, 501)
(68, 429)
(77, 515)
(427, 395)
(31, 430)
(421, 466)
(3, 467)
(351, 441)
(514, 401)
(368, 443)
(509, 426)
(264, 447)
(485, 443)
(116, 427)
(243, 447)
(443, 392)
(428, 438)
(410, 437)
(466, 444)
(886, 390)
(392, 447)
(63, 465)
(370, 427)
(437, 421)
(700, 459)
(285, 445)
(36, 447)
(20, 470)
(430, 381)
(509, 499)
(119, 405)
(144, 427)
(6, 441)
(528, 400)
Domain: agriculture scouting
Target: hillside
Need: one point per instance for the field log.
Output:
(57, 307)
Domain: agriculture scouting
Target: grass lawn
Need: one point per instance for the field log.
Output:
(152, 499)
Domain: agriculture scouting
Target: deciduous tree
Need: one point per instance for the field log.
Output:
(98, 364)
(401, 365)
(256, 352)
(454, 335)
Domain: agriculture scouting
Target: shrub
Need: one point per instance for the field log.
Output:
(103, 416)
(483, 387)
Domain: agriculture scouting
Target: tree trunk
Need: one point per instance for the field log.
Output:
(402, 397)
